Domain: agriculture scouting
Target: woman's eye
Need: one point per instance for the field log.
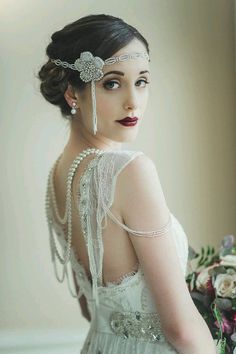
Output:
(144, 81)
(110, 85)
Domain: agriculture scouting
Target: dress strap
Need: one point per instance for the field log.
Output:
(160, 232)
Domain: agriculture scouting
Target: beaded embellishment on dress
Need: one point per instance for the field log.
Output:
(145, 326)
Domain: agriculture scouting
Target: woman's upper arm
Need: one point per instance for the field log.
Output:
(144, 208)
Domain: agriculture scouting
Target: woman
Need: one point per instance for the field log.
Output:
(128, 253)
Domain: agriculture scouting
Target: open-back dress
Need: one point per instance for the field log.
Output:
(124, 319)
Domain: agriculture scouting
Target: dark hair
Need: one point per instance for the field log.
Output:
(102, 35)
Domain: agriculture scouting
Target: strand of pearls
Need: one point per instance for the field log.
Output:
(68, 208)
(161, 231)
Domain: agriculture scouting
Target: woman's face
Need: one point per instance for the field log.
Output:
(118, 95)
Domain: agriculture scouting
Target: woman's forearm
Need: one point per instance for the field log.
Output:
(198, 341)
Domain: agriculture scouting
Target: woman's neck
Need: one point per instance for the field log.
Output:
(80, 139)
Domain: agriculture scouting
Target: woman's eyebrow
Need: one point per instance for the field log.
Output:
(122, 74)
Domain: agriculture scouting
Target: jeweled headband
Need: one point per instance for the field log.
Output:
(90, 69)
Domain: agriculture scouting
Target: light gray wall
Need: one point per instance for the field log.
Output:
(189, 131)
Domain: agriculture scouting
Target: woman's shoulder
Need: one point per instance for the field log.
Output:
(124, 152)
(138, 162)
(117, 160)
(123, 156)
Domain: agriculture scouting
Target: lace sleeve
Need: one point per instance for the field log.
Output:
(109, 168)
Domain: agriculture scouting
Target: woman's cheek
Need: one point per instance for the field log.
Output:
(106, 103)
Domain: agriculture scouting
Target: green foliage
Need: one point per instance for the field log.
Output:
(207, 256)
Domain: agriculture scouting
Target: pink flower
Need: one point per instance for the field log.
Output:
(203, 278)
(210, 288)
(226, 325)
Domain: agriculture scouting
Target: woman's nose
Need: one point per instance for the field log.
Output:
(131, 100)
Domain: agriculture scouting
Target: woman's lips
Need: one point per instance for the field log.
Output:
(128, 124)
(128, 121)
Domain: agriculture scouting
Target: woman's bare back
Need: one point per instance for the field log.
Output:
(119, 257)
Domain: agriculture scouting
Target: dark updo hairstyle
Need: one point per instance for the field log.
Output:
(102, 35)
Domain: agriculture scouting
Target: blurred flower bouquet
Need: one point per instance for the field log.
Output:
(212, 285)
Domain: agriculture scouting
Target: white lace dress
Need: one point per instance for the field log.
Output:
(123, 316)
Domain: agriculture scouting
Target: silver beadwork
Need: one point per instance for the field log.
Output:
(50, 197)
(161, 231)
(90, 67)
(145, 326)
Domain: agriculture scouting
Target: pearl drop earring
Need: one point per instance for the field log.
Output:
(73, 109)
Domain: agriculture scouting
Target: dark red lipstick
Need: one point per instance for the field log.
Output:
(128, 121)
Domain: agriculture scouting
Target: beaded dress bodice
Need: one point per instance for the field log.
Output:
(126, 309)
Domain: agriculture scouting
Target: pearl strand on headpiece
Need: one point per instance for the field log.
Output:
(68, 208)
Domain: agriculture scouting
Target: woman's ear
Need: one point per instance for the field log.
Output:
(71, 96)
